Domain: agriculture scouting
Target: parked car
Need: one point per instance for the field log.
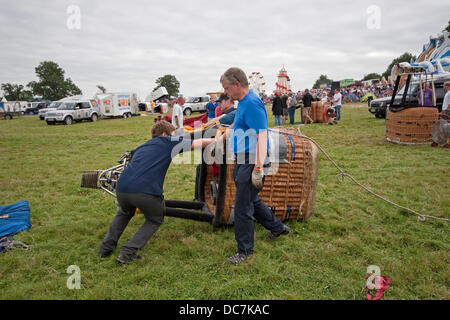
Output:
(70, 111)
(35, 106)
(195, 104)
(52, 106)
(379, 106)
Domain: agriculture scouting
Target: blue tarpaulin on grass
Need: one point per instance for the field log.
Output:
(14, 218)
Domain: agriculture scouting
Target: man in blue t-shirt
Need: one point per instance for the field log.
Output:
(249, 143)
(211, 108)
(140, 185)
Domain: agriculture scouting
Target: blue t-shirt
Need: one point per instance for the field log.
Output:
(250, 120)
(228, 118)
(211, 110)
(147, 169)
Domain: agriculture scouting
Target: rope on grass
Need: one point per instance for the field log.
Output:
(341, 176)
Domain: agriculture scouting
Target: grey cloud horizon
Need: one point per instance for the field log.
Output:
(126, 46)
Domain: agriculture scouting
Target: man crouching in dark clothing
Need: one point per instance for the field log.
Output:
(140, 185)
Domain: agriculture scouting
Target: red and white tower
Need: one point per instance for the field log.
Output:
(284, 82)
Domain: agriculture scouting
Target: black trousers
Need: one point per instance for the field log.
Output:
(153, 208)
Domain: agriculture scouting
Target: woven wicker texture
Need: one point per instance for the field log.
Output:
(316, 112)
(209, 178)
(411, 126)
(290, 191)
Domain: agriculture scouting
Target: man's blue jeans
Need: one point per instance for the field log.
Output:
(291, 111)
(278, 120)
(247, 206)
(338, 112)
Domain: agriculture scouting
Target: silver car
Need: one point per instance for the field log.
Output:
(195, 104)
(53, 106)
(71, 111)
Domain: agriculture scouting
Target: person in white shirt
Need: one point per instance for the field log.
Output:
(337, 102)
(177, 115)
(446, 102)
(324, 97)
(445, 113)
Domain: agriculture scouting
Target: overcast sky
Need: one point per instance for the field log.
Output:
(127, 45)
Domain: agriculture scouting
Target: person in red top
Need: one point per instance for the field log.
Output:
(219, 111)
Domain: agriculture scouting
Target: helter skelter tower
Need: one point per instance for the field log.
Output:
(284, 82)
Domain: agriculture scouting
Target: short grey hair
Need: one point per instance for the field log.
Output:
(233, 75)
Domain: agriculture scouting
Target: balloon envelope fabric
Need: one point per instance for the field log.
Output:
(14, 218)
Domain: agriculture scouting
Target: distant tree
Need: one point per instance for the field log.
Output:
(322, 79)
(406, 57)
(16, 92)
(51, 84)
(448, 27)
(371, 76)
(169, 82)
(101, 88)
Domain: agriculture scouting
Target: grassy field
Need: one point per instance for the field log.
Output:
(324, 258)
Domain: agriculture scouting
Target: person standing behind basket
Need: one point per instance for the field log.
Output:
(307, 100)
(284, 99)
(249, 142)
(337, 103)
(426, 96)
(277, 108)
(292, 106)
(211, 108)
(445, 113)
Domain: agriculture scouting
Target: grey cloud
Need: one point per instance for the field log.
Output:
(128, 45)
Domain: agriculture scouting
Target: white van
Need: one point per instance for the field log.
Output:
(113, 105)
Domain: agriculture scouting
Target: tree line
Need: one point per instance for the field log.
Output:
(406, 57)
(53, 85)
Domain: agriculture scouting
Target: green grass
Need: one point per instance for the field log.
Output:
(323, 258)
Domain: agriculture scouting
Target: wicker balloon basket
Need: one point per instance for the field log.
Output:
(316, 113)
(412, 126)
(289, 188)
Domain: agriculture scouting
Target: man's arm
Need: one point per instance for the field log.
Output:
(201, 143)
(213, 121)
(261, 151)
(261, 148)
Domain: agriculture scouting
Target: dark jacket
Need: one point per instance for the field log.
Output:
(277, 106)
(307, 99)
(284, 100)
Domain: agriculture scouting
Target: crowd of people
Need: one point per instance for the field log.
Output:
(285, 105)
(352, 93)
